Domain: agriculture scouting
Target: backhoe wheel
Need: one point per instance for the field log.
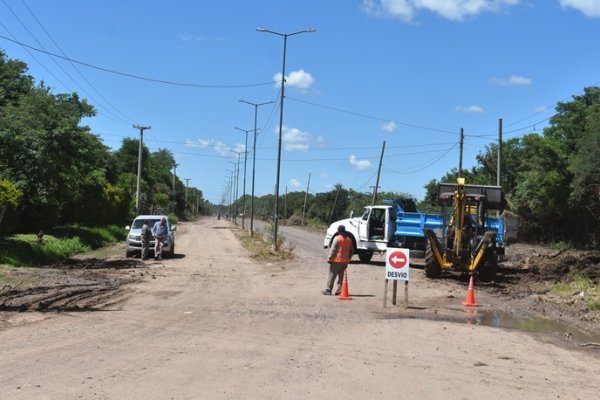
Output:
(432, 266)
(489, 266)
(365, 255)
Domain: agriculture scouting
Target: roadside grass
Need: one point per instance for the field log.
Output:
(260, 246)
(579, 284)
(30, 250)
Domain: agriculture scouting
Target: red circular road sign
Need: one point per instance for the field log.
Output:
(397, 259)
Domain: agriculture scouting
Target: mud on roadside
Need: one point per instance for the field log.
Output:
(529, 273)
(75, 285)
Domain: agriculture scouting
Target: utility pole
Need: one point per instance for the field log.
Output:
(187, 183)
(285, 206)
(460, 155)
(175, 165)
(305, 197)
(499, 166)
(276, 208)
(256, 105)
(139, 171)
(245, 161)
(378, 174)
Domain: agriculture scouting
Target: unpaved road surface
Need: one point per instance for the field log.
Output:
(214, 324)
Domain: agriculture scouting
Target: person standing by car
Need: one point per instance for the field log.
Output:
(145, 237)
(339, 257)
(159, 231)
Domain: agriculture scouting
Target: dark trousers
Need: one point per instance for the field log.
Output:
(336, 270)
(145, 249)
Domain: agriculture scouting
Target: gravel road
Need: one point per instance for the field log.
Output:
(213, 324)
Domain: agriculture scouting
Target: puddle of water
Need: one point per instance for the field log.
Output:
(501, 319)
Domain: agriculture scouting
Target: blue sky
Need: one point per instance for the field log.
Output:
(411, 73)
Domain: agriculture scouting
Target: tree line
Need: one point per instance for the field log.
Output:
(551, 181)
(54, 170)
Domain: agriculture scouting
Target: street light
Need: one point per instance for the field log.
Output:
(256, 105)
(237, 181)
(245, 160)
(276, 211)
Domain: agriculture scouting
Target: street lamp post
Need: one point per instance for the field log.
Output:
(237, 182)
(256, 105)
(276, 211)
(245, 160)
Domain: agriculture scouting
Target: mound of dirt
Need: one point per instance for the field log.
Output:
(530, 272)
(559, 266)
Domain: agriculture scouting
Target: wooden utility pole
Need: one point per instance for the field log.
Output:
(139, 171)
(305, 197)
(499, 166)
(378, 174)
(174, 193)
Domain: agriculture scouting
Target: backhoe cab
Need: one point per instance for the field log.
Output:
(469, 241)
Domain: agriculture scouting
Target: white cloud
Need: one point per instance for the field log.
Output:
(454, 10)
(469, 109)
(240, 148)
(300, 79)
(295, 140)
(219, 147)
(321, 142)
(513, 80)
(589, 8)
(390, 127)
(541, 109)
(295, 183)
(359, 164)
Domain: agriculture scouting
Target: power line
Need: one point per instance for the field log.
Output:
(372, 117)
(429, 164)
(143, 78)
(72, 64)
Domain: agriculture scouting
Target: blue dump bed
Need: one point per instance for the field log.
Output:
(411, 224)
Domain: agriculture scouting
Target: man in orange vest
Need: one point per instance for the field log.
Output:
(339, 257)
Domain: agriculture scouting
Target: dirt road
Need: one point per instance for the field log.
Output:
(213, 324)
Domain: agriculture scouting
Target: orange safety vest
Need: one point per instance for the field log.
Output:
(344, 250)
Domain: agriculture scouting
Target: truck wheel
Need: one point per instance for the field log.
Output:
(129, 254)
(489, 267)
(365, 256)
(172, 251)
(432, 267)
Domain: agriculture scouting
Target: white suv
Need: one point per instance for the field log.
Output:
(133, 243)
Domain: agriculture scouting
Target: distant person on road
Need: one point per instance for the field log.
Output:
(159, 231)
(339, 257)
(146, 236)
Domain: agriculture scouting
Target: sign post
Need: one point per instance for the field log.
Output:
(397, 268)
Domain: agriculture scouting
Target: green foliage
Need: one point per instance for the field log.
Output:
(27, 250)
(581, 286)
(552, 181)
(9, 194)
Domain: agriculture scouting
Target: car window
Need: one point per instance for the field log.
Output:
(137, 224)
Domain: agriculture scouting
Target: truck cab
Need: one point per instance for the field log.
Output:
(370, 233)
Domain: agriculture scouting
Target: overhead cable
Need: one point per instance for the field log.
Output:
(143, 78)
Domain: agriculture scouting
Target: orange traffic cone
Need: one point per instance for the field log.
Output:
(470, 301)
(344, 294)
